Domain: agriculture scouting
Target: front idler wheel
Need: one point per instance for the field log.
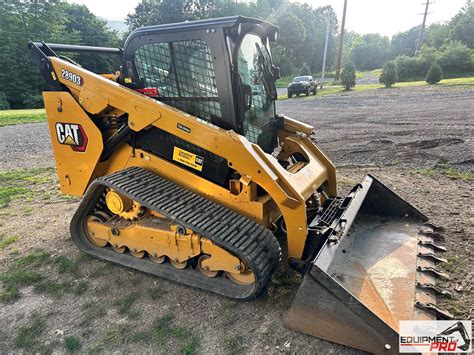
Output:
(90, 234)
(244, 278)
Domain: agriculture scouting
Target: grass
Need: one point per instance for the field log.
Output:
(446, 170)
(285, 80)
(234, 344)
(12, 117)
(92, 310)
(18, 183)
(115, 336)
(35, 258)
(6, 240)
(429, 172)
(190, 347)
(66, 265)
(72, 344)
(453, 174)
(330, 90)
(51, 288)
(162, 330)
(80, 287)
(24, 272)
(156, 293)
(27, 336)
(125, 303)
(7, 194)
(58, 289)
(140, 337)
(346, 182)
(14, 280)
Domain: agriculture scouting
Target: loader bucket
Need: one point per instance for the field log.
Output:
(377, 268)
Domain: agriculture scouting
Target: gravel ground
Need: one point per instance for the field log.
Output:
(417, 126)
(389, 133)
(25, 146)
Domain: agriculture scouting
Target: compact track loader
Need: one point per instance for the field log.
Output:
(187, 172)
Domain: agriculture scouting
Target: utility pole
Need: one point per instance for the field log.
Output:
(341, 42)
(422, 29)
(328, 28)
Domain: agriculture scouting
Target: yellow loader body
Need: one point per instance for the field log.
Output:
(186, 172)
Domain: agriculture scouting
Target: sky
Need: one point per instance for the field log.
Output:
(387, 17)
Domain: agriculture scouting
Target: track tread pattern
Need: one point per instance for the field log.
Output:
(243, 237)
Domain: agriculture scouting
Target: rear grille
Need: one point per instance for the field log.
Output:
(330, 213)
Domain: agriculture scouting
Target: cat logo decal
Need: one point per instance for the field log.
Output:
(72, 134)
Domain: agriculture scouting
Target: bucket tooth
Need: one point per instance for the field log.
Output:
(431, 244)
(431, 307)
(434, 227)
(434, 288)
(433, 271)
(432, 257)
(432, 234)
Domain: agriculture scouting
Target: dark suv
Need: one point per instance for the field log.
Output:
(302, 85)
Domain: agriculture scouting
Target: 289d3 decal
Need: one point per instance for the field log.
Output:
(74, 78)
(72, 134)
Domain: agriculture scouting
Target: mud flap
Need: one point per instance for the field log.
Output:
(377, 267)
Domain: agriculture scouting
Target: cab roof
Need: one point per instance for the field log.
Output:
(187, 26)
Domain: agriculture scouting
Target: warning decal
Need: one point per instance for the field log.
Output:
(187, 158)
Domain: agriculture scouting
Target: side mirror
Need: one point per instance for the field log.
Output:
(247, 96)
(276, 72)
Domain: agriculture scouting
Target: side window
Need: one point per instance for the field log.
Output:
(153, 64)
(250, 66)
(183, 73)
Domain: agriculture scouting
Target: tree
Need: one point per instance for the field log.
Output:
(456, 58)
(437, 34)
(48, 21)
(292, 35)
(435, 74)
(408, 68)
(305, 70)
(4, 105)
(404, 43)
(88, 29)
(389, 74)
(156, 12)
(19, 23)
(351, 38)
(462, 26)
(371, 52)
(348, 76)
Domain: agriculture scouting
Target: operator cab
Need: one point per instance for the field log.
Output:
(219, 70)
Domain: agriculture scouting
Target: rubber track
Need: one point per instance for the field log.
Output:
(245, 238)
